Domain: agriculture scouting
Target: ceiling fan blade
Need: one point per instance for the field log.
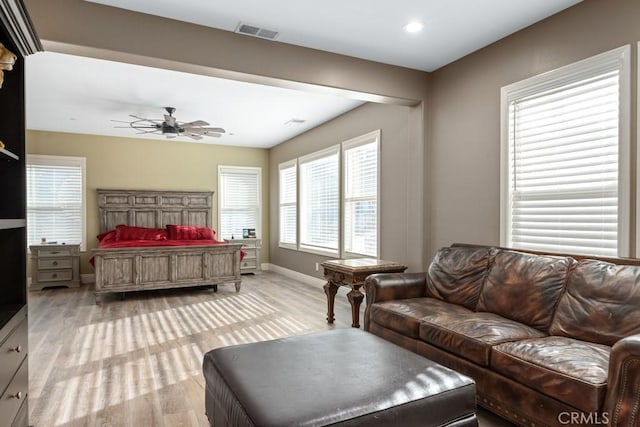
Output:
(214, 130)
(213, 134)
(206, 131)
(119, 121)
(196, 137)
(171, 135)
(196, 123)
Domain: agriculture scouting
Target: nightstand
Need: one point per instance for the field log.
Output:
(55, 265)
(251, 261)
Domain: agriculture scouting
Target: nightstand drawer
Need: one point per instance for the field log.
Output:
(248, 263)
(55, 275)
(250, 253)
(50, 263)
(54, 252)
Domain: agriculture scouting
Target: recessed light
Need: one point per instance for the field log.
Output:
(414, 27)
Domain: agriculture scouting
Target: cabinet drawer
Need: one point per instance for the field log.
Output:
(12, 352)
(55, 275)
(15, 394)
(48, 263)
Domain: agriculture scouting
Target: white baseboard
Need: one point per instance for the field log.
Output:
(86, 279)
(313, 281)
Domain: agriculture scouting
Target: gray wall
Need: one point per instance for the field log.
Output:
(463, 121)
(396, 202)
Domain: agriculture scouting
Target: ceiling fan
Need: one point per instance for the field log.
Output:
(171, 128)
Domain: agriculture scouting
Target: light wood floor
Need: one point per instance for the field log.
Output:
(137, 362)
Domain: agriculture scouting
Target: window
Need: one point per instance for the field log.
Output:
(288, 204)
(55, 199)
(239, 200)
(320, 201)
(565, 158)
(360, 195)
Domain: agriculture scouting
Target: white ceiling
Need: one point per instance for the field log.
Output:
(369, 29)
(102, 91)
(255, 115)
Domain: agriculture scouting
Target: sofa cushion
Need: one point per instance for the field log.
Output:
(471, 335)
(569, 370)
(403, 316)
(457, 274)
(600, 303)
(525, 287)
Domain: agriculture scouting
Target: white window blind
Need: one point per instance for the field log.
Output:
(360, 159)
(239, 200)
(288, 203)
(55, 199)
(320, 201)
(564, 157)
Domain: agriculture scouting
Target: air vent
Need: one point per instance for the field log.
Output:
(255, 31)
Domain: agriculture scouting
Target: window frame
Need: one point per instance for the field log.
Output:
(326, 152)
(282, 166)
(254, 170)
(572, 72)
(368, 138)
(71, 161)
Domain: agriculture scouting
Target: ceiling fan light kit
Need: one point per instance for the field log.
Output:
(170, 127)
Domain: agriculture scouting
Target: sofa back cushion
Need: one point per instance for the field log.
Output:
(601, 303)
(525, 287)
(457, 274)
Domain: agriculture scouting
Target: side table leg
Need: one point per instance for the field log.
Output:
(330, 289)
(355, 298)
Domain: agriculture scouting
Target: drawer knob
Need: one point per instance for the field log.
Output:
(55, 262)
(18, 349)
(18, 395)
(54, 275)
(55, 252)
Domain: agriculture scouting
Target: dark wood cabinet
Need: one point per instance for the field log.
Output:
(17, 35)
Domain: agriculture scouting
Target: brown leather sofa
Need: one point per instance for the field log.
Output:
(550, 340)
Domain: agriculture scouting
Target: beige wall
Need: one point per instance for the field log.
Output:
(464, 104)
(132, 163)
(396, 201)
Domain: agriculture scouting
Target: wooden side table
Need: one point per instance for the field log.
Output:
(353, 272)
(55, 265)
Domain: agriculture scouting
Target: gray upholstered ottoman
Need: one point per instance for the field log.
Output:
(343, 377)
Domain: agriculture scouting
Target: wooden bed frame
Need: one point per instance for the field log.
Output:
(162, 267)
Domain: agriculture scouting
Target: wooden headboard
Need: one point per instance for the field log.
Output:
(147, 208)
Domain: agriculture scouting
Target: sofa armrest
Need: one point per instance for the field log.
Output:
(390, 286)
(622, 403)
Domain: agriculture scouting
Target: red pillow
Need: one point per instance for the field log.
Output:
(190, 232)
(125, 232)
(107, 237)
